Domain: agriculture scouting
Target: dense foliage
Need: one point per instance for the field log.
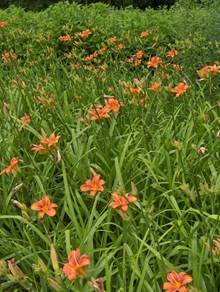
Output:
(132, 96)
(142, 4)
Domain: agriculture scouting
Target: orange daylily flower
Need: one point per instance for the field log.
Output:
(12, 167)
(121, 202)
(85, 34)
(112, 105)
(139, 54)
(76, 265)
(9, 56)
(155, 86)
(44, 207)
(113, 39)
(172, 54)
(135, 90)
(209, 69)
(180, 89)
(50, 141)
(93, 185)
(98, 113)
(26, 119)
(177, 282)
(177, 67)
(121, 46)
(154, 62)
(65, 38)
(46, 144)
(214, 69)
(144, 34)
(3, 23)
(40, 148)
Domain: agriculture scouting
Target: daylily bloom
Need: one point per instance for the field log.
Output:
(139, 54)
(9, 56)
(121, 202)
(85, 34)
(98, 113)
(112, 105)
(180, 89)
(3, 23)
(209, 69)
(50, 141)
(154, 62)
(76, 265)
(113, 39)
(120, 46)
(135, 90)
(171, 54)
(155, 86)
(40, 148)
(214, 69)
(44, 207)
(144, 34)
(65, 38)
(177, 282)
(26, 119)
(12, 167)
(177, 67)
(46, 144)
(93, 185)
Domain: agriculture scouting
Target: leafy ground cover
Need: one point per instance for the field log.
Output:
(109, 138)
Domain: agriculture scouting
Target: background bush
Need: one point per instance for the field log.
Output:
(142, 4)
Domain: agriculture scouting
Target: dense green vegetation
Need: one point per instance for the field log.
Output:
(142, 4)
(59, 70)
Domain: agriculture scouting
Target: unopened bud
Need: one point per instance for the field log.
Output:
(3, 268)
(54, 260)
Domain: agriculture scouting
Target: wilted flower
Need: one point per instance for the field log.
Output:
(202, 150)
(178, 145)
(214, 248)
(15, 270)
(76, 265)
(177, 282)
(97, 284)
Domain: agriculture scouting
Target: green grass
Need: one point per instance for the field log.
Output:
(176, 215)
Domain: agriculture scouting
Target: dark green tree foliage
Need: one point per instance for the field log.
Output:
(41, 4)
